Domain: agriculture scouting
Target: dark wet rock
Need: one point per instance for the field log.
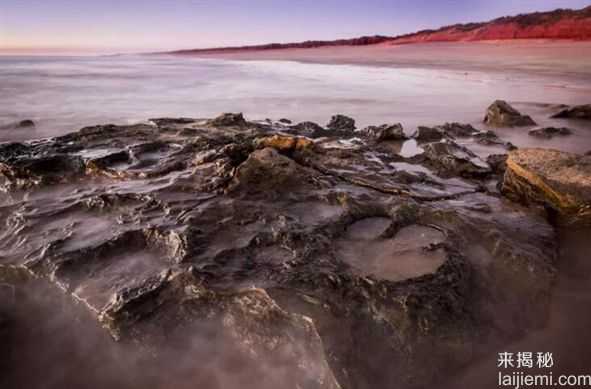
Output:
(7, 299)
(490, 138)
(26, 124)
(13, 150)
(558, 180)
(28, 172)
(501, 114)
(428, 134)
(576, 112)
(451, 159)
(458, 130)
(266, 171)
(23, 124)
(384, 132)
(550, 132)
(341, 123)
(447, 130)
(309, 129)
(487, 138)
(163, 122)
(250, 321)
(229, 120)
(284, 121)
(497, 162)
(325, 260)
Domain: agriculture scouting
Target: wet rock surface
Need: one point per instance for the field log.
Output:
(576, 112)
(451, 159)
(501, 114)
(428, 134)
(550, 132)
(228, 120)
(330, 262)
(384, 132)
(558, 180)
(341, 123)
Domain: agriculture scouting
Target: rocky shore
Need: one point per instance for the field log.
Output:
(314, 256)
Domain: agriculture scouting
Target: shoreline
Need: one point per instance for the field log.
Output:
(459, 56)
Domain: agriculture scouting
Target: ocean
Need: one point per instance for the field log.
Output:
(63, 94)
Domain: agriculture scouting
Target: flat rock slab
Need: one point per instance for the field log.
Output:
(329, 256)
(550, 132)
(554, 178)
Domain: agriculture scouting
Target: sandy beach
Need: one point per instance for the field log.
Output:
(532, 56)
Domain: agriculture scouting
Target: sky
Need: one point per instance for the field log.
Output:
(140, 25)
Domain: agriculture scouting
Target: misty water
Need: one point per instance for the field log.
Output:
(63, 94)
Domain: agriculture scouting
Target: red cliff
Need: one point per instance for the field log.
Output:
(557, 24)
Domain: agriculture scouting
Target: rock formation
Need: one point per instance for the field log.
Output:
(428, 134)
(501, 114)
(384, 132)
(334, 263)
(341, 123)
(558, 180)
(557, 24)
(550, 132)
(576, 112)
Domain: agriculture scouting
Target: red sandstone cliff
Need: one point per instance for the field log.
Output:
(557, 24)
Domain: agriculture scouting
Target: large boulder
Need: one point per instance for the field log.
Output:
(267, 171)
(384, 132)
(501, 114)
(309, 129)
(27, 123)
(341, 123)
(428, 134)
(458, 130)
(559, 180)
(228, 120)
(576, 112)
(451, 159)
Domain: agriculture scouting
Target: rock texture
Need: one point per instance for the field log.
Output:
(550, 132)
(501, 114)
(557, 24)
(576, 112)
(228, 120)
(428, 134)
(341, 123)
(558, 180)
(299, 255)
(384, 132)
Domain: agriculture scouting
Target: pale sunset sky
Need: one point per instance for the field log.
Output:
(140, 25)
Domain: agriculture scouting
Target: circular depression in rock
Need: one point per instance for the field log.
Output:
(411, 253)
